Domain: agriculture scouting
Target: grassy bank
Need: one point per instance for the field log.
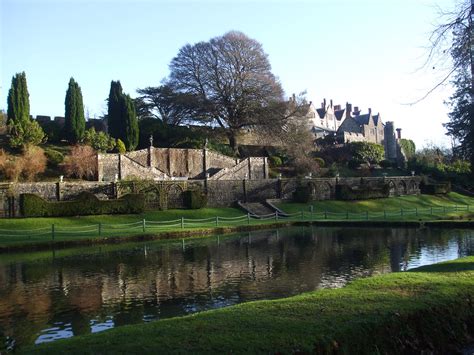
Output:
(30, 233)
(414, 207)
(430, 308)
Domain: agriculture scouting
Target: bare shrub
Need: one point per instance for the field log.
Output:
(33, 162)
(10, 166)
(81, 163)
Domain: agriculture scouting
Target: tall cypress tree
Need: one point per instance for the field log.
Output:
(129, 121)
(75, 122)
(18, 110)
(114, 109)
(23, 131)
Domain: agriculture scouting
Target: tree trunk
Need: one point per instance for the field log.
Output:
(232, 136)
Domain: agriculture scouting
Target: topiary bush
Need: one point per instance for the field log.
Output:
(275, 161)
(54, 158)
(363, 192)
(32, 205)
(120, 147)
(320, 162)
(194, 199)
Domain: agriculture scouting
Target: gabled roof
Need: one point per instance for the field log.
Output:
(339, 114)
(362, 119)
(376, 119)
(321, 112)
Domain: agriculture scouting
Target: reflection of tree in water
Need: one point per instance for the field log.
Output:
(133, 284)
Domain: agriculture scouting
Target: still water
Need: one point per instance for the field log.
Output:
(50, 295)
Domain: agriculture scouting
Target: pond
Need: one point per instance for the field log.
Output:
(46, 296)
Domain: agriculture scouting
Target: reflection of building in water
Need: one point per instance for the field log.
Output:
(170, 281)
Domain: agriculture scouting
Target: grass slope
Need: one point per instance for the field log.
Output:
(16, 232)
(430, 308)
(391, 204)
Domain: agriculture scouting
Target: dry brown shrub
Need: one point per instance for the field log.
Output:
(10, 166)
(33, 162)
(81, 163)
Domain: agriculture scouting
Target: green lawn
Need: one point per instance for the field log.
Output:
(29, 231)
(37, 230)
(428, 309)
(415, 208)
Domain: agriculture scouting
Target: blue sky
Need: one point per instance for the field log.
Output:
(365, 52)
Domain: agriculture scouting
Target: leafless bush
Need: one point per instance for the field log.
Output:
(81, 163)
(33, 162)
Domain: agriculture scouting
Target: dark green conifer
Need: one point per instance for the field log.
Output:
(18, 110)
(114, 109)
(75, 122)
(129, 122)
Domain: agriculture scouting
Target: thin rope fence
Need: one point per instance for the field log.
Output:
(144, 226)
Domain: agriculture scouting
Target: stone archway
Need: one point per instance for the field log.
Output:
(392, 188)
(402, 188)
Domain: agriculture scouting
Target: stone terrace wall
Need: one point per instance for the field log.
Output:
(171, 162)
(221, 193)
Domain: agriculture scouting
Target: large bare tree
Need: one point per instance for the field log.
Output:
(231, 79)
(453, 41)
(162, 102)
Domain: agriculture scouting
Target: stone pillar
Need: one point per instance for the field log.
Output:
(120, 166)
(58, 191)
(100, 167)
(279, 188)
(168, 162)
(204, 162)
(265, 168)
(244, 188)
(249, 167)
(151, 156)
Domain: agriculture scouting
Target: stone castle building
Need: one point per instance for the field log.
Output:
(348, 125)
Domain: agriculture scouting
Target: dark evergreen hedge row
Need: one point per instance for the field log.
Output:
(32, 205)
(345, 192)
(194, 199)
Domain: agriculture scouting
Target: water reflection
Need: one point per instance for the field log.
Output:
(64, 293)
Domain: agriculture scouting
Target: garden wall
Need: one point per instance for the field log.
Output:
(221, 193)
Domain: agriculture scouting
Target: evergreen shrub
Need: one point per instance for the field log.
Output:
(32, 205)
(275, 161)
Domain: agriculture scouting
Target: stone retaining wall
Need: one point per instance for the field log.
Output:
(221, 193)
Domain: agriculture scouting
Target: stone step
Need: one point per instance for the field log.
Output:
(257, 208)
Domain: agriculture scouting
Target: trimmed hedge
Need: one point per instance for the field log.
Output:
(302, 194)
(345, 192)
(32, 205)
(442, 188)
(194, 199)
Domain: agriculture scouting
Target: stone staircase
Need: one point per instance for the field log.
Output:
(145, 171)
(237, 172)
(256, 208)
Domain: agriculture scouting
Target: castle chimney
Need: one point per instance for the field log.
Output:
(356, 111)
(330, 102)
(348, 110)
(370, 111)
(399, 133)
(323, 105)
(294, 98)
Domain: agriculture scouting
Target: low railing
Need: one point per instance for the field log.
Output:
(55, 231)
